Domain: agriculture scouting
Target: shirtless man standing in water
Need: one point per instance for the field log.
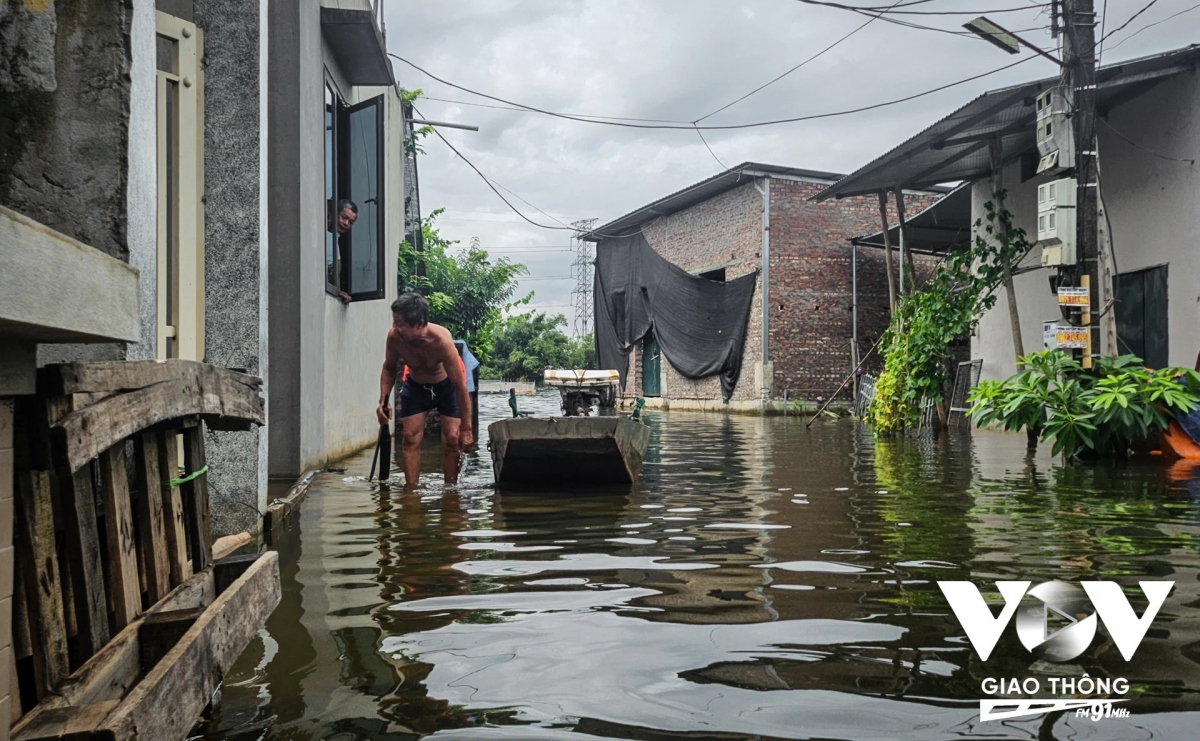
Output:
(435, 381)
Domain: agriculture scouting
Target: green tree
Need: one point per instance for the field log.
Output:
(468, 291)
(527, 344)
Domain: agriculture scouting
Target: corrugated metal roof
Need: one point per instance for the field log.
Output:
(956, 147)
(702, 191)
(943, 226)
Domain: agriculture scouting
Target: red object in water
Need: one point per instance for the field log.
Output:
(1178, 443)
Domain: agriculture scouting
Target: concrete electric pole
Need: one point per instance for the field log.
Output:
(1079, 58)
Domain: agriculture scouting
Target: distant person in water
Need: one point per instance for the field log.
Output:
(436, 380)
(512, 402)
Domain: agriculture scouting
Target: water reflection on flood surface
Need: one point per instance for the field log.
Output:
(761, 581)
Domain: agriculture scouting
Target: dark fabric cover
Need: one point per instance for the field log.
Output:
(700, 324)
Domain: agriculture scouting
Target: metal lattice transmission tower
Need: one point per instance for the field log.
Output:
(581, 297)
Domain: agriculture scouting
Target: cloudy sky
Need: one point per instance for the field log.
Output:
(680, 60)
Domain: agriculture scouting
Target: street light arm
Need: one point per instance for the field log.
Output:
(1004, 39)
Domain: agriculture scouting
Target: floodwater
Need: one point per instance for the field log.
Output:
(761, 581)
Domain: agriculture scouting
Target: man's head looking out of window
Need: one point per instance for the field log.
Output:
(410, 314)
(347, 214)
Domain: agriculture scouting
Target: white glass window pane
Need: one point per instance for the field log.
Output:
(363, 133)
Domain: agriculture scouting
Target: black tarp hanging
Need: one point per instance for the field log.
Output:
(699, 324)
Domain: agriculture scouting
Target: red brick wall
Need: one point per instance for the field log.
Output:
(810, 298)
(811, 295)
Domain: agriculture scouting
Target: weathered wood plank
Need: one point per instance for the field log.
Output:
(86, 569)
(117, 667)
(160, 632)
(230, 569)
(277, 512)
(69, 724)
(114, 376)
(152, 534)
(195, 498)
(21, 641)
(86, 432)
(173, 518)
(35, 541)
(187, 676)
(226, 545)
(124, 587)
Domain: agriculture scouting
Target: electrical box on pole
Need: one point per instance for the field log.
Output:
(1055, 139)
(1056, 223)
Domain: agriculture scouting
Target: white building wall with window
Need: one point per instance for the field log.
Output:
(1153, 201)
(325, 355)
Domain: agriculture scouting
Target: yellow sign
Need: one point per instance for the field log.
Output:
(1073, 296)
(1071, 338)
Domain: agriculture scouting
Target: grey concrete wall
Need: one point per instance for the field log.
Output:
(64, 114)
(142, 189)
(1152, 206)
(325, 357)
(355, 334)
(231, 242)
(63, 143)
(993, 337)
(283, 211)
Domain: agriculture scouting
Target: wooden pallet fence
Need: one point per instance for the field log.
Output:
(112, 528)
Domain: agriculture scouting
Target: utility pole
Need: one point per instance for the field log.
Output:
(1079, 58)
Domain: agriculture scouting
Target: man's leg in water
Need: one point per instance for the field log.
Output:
(413, 428)
(450, 454)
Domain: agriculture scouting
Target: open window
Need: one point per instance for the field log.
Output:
(354, 169)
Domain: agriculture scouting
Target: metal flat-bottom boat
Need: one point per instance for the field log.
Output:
(571, 451)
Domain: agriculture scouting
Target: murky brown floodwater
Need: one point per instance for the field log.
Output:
(762, 581)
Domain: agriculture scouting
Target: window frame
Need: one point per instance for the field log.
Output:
(341, 188)
(332, 289)
(344, 187)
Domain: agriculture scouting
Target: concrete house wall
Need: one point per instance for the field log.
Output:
(324, 376)
(1152, 206)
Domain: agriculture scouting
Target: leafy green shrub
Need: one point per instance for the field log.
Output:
(926, 321)
(1103, 411)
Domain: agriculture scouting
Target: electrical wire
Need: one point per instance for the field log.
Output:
(1135, 145)
(765, 85)
(860, 9)
(722, 127)
(489, 182)
(1151, 25)
(1131, 19)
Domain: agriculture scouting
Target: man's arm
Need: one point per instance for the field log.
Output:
(454, 371)
(387, 379)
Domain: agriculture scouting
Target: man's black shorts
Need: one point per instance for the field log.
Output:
(417, 398)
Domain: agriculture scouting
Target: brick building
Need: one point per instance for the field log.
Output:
(720, 229)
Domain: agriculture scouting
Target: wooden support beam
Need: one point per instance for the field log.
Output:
(165, 704)
(111, 673)
(35, 541)
(119, 376)
(124, 587)
(230, 543)
(82, 539)
(70, 724)
(152, 536)
(274, 517)
(160, 632)
(194, 495)
(173, 517)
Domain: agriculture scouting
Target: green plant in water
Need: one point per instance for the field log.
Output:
(925, 322)
(1103, 411)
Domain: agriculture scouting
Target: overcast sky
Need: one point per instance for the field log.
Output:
(680, 60)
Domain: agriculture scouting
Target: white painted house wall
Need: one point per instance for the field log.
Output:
(1154, 206)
